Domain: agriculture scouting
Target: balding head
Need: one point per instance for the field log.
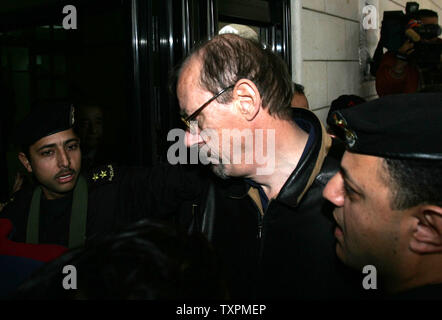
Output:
(228, 58)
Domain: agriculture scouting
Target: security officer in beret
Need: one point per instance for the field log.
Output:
(66, 207)
(388, 193)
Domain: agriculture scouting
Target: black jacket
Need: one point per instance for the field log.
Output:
(424, 293)
(289, 252)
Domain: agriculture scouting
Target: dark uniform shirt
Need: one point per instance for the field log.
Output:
(116, 197)
(54, 220)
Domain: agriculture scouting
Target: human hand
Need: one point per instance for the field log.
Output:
(407, 48)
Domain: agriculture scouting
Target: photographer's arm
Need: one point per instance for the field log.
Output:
(398, 70)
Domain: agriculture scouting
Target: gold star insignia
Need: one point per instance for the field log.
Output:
(95, 177)
(103, 174)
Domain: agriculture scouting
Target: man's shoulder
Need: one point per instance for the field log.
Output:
(182, 179)
(111, 174)
(19, 201)
(331, 162)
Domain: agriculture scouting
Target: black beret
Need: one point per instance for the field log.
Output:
(405, 126)
(345, 101)
(342, 102)
(43, 121)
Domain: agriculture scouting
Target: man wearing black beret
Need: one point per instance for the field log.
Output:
(388, 192)
(65, 207)
(50, 151)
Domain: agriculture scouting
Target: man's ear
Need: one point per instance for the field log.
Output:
(247, 98)
(25, 161)
(427, 234)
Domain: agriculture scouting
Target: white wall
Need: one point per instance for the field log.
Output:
(332, 55)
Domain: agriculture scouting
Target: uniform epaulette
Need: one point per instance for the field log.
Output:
(102, 175)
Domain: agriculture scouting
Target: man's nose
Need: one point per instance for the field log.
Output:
(192, 138)
(63, 159)
(334, 190)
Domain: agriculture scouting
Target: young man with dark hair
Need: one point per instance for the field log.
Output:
(388, 193)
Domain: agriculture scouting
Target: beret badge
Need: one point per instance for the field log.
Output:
(350, 135)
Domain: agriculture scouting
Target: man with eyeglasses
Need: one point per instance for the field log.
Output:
(265, 216)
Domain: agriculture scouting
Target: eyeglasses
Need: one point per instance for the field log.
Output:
(198, 111)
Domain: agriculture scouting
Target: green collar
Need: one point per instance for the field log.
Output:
(77, 226)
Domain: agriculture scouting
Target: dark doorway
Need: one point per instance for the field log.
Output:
(41, 61)
(121, 56)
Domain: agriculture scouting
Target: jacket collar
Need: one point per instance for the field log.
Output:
(305, 172)
(310, 165)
